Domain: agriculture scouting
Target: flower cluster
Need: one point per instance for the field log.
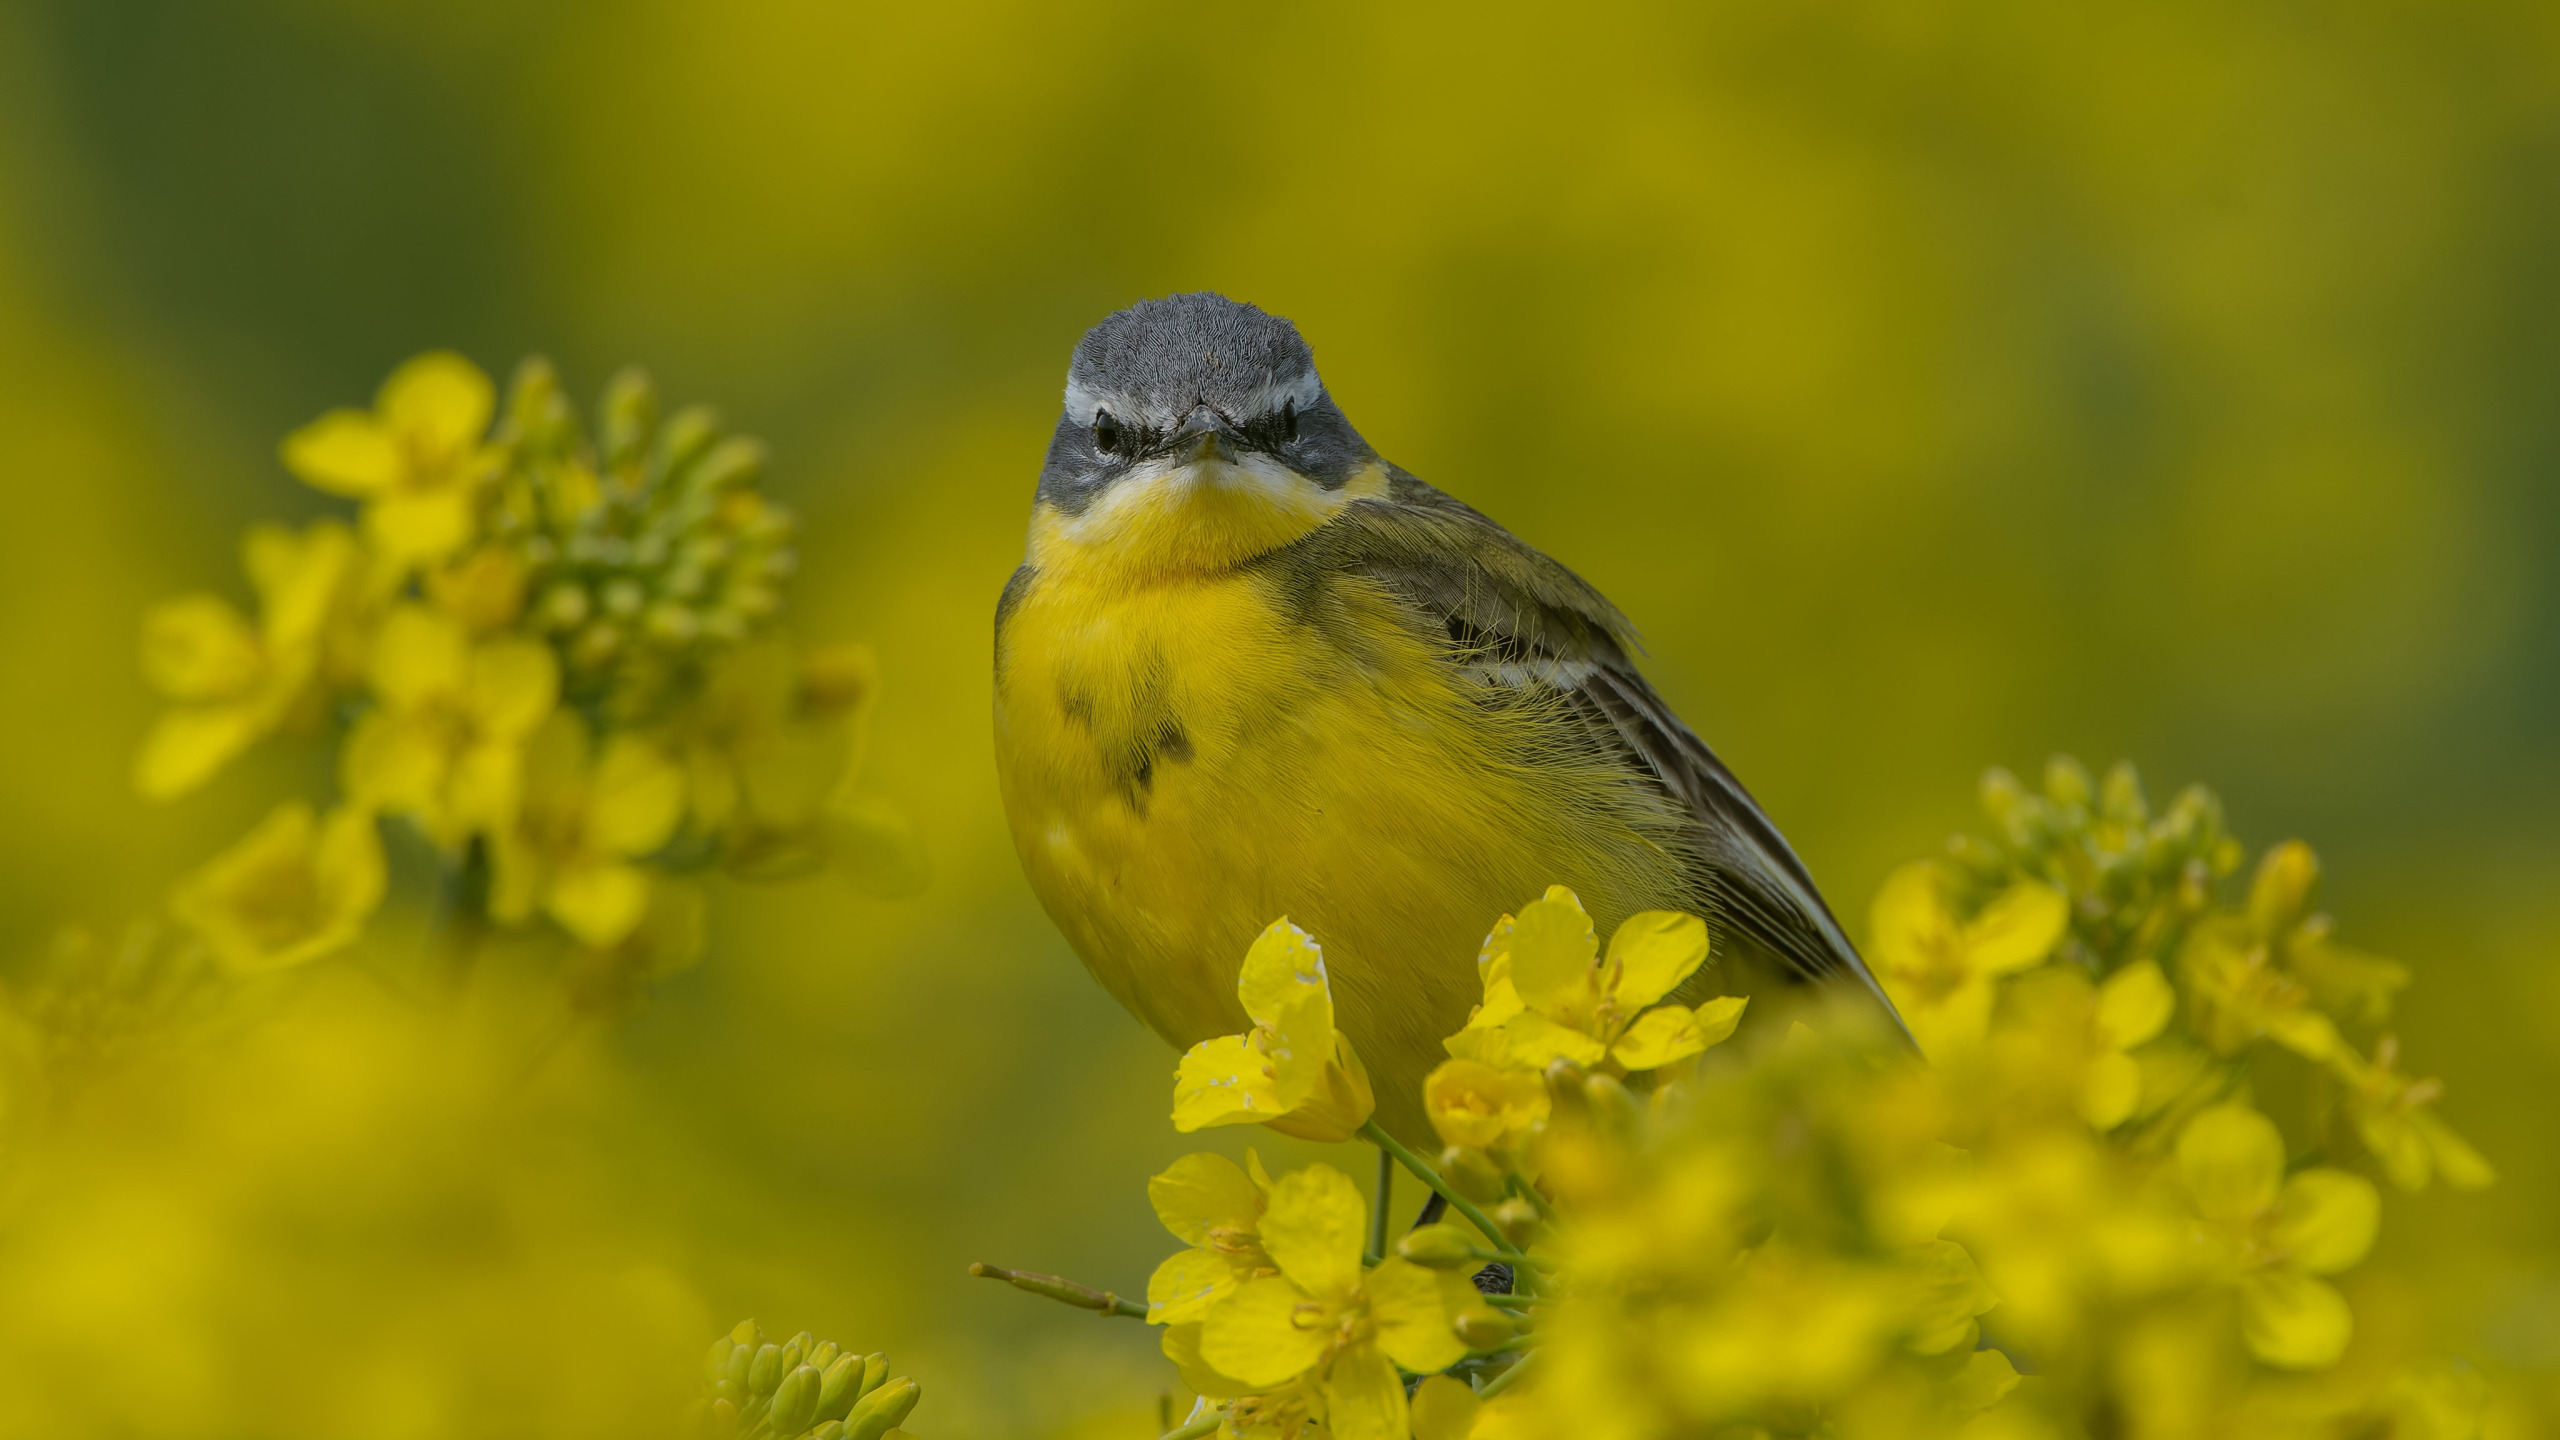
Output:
(550, 653)
(2111, 1198)
(803, 1387)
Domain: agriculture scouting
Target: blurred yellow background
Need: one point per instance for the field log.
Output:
(1936, 385)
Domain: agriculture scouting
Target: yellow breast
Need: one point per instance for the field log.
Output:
(1188, 754)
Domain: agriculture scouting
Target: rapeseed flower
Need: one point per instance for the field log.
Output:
(444, 743)
(416, 459)
(294, 889)
(1550, 995)
(2272, 1236)
(2133, 1006)
(1326, 1321)
(1475, 1106)
(586, 817)
(235, 681)
(1293, 1071)
(1940, 968)
(1215, 1206)
(2395, 1117)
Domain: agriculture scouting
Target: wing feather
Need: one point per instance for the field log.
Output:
(1514, 617)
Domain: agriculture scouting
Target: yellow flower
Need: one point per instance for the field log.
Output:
(584, 818)
(2273, 1236)
(602, 980)
(2239, 993)
(291, 891)
(1293, 1071)
(1939, 969)
(1548, 993)
(445, 740)
(1476, 1106)
(1324, 1317)
(2134, 1005)
(235, 682)
(2395, 1117)
(1214, 1206)
(415, 460)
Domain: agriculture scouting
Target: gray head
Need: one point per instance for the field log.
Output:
(1194, 376)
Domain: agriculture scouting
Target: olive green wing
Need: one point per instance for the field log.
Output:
(1515, 617)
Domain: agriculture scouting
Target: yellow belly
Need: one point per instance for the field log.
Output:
(1186, 759)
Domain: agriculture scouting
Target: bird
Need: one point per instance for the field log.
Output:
(1249, 669)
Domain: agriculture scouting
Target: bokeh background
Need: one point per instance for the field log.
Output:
(1938, 385)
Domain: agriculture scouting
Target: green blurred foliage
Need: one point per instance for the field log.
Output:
(1935, 384)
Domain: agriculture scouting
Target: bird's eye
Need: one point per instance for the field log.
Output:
(1109, 435)
(1288, 420)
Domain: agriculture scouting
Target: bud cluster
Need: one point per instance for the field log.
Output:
(645, 545)
(760, 1390)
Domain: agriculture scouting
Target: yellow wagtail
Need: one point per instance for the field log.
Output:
(1250, 669)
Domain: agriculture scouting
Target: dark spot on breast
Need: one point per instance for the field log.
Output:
(1076, 706)
(1172, 742)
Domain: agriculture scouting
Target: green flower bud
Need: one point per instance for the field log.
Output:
(765, 1371)
(623, 598)
(732, 463)
(716, 1364)
(839, 1387)
(1516, 1218)
(564, 606)
(795, 1401)
(1441, 1247)
(742, 1355)
(674, 624)
(630, 412)
(724, 1417)
(1484, 1329)
(875, 1370)
(2120, 796)
(2067, 783)
(1612, 1105)
(1472, 1175)
(881, 1411)
(824, 1356)
(2286, 880)
(684, 437)
(831, 1430)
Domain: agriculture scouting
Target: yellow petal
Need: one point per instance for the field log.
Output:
(636, 798)
(1986, 1380)
(2293, 1320)
(417, 525)
(1223, 1082)
(1334, 1108)
(1313, 1228)
(1552, 948)
(186, 746)
(1674, 1032)
(598, 903)
(512, 686)
(1364, 1397)
(2462, 1167)
(1444, 1409)
(2325, 1220)
(2233, 1161)
(345, 452)
(1947, 1292)
(1407, 1302)
(419, 658)
(1949, 1023)
(1186, 1285)
(2282, 889)
(349, 868)
(298, 575)
(2113, 1089)
(438, 400)
(1284, 979)
(1534, 1040)
(483, 793)
(2134, 1004)
(197, 647)
(1469, 1103)
(1202, 1192)
(1652, 953)
(1910, 921)
(2018, 929)
(1254, 1334)
(1182, 1347)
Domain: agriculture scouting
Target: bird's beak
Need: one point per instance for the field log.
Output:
(1204, 435)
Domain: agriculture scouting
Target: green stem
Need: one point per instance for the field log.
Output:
(1378, 1213)
(462, 914)
(1065, 1292)
(1496, 1385)
(1205, 1425)
(1423, 1172)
